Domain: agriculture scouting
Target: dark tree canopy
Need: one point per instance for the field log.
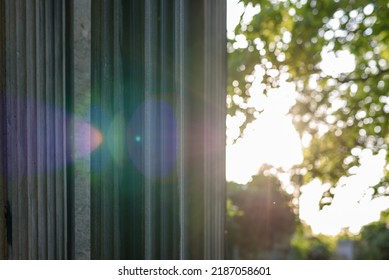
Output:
(374, 240)
(263, 221)
(343, 112)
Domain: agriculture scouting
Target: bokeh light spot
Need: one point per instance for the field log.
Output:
(152, 137)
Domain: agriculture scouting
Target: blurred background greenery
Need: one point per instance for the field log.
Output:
(335, 57)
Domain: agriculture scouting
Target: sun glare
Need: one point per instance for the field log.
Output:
(272, 139)
(353, 205)
(87, 138)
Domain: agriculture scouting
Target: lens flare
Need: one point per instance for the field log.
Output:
(87, 138)
(152, 138)
(115, 138)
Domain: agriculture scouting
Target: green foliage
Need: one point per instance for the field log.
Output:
(233, 210)
(261, 223)
(374, 242)
(306, 246)
(319, 251)
(286, 42)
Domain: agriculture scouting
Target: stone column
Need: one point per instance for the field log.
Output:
(34, 127)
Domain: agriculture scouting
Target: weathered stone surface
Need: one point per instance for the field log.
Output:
(82, 105)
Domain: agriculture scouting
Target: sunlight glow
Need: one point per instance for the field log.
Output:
(353, 205)
(87, 138)
(337, 63)
(234, 11)
(272, 139)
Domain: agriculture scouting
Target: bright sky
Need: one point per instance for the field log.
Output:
(272, 139)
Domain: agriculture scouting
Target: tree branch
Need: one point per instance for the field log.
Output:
(346, 79)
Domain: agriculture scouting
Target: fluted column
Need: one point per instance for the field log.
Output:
(158, 100)
(35, 130)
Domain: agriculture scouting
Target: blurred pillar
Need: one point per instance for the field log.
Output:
(158, 100)
(34, 92)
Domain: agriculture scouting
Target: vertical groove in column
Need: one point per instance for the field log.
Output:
(95, 157)
(168, 223)
(151, 45)
(21, 133)
(215, 117)
(195, 107)
(119, 124)
(40, 71)
(69, 130)
(11, 117)
(3, 135)
(164, 246)
(221, 100)
(13, 141)
(31, 121)
(179, 72)
(10, 138)
(50, 133)
(58, 130)
(107, 105)
(208, 135)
